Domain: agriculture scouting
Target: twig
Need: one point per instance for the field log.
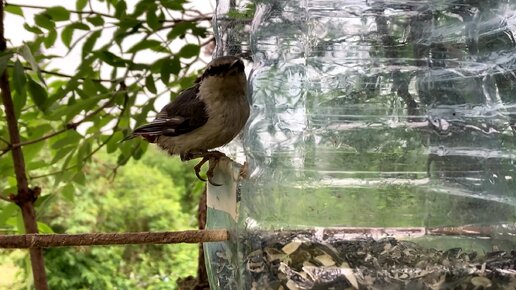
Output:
(5, 198)
(5, 141)
(69, 10)
(25, 197)
(102, 239)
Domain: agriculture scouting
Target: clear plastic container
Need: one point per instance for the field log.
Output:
(381, 147)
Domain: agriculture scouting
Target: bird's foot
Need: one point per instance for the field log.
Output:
(213, 157)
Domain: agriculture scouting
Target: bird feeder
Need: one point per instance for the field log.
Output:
(381, 147)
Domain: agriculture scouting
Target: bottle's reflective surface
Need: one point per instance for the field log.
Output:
(382, 135)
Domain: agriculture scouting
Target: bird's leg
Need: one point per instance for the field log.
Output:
(192, 155)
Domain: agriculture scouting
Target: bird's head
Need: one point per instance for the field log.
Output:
(224, 66)
(224, 75)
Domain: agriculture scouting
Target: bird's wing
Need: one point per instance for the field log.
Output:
(185, 114)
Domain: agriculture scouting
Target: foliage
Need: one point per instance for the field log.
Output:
(66, 119)
(143, 197)
(130, 56)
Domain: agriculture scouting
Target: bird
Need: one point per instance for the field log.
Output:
(207, 115)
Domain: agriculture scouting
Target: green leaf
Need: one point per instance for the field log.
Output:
(58, 13)
(70, 138)
(96, 20)
(13, 9)
(44, 20)
(27, 55)
(173, 4)
(169, 66)
(50, 39)
(174, 65)
(4, 59)
(73, 110)
(112, 144)
(32, 29)
(180, 30)
(62, 152)
(38, 94)
(148, 43)
(150, 85)
(68, 192)
(79, 178)
(152, 20)
(19, 81)
(83, 153)
(7, 212)
(190, 50)
(80, 4)
(44, 228)
(67, 33)
(90, 43)
(111, 58)
(120, 9)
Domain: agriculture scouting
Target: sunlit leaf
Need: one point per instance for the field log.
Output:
(27, 55)
(13, 9)
(44, 228)
(7, 212)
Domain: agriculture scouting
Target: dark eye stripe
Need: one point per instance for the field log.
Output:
(216, 70)
(219, 69)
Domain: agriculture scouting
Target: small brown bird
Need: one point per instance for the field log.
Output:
(208, 115)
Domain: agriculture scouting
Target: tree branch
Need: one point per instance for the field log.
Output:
(26, 196)
(67, 76)
(102, 239)
(69, 126)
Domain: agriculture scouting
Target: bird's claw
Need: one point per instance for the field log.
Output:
(213, 157)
